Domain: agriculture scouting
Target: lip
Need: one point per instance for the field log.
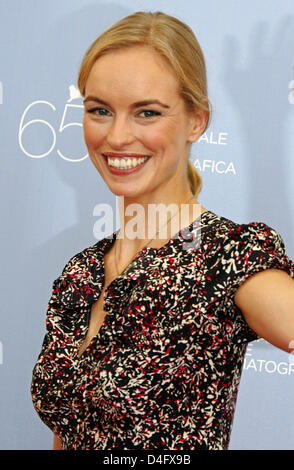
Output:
(117, 171)
(123, 155)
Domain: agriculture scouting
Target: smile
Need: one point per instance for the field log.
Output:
(124, 162)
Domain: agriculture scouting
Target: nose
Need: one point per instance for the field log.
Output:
(120, 133)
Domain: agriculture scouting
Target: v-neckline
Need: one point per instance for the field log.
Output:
(109, 242)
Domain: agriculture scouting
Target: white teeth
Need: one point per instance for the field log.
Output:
(125, 162)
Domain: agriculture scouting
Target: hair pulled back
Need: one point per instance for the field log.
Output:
(175, 42)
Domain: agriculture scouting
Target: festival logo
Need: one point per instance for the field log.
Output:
(74, 93)
(214, 166)
(216, 138)
(257, 360)
(71, 118)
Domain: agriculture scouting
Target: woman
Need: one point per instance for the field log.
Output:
(145, 336)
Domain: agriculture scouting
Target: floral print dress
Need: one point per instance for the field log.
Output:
(164, 369)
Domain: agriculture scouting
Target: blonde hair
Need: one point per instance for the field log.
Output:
(174, 41)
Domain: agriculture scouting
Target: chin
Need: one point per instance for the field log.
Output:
(126, 194)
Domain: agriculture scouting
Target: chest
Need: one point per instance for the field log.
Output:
(98, 313)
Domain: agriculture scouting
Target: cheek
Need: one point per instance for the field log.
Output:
(168, 142)
(156, 138)
(93, 134)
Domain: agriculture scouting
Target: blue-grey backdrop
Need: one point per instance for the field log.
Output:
(49, 188)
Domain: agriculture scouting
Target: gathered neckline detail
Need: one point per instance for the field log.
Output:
(179, 237)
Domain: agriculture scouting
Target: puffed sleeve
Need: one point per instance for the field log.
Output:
(76, 288)
(245, 250)
(54, 307)
(252, 248)
(45, 372)
(73, 292)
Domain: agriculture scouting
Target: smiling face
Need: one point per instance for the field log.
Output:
(136, 128)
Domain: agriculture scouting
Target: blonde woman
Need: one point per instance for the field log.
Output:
(146, 335)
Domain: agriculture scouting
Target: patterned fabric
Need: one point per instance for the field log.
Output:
(164, 369)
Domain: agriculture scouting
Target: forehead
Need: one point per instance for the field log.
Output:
(134, 71)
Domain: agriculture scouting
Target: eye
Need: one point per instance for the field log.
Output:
(149, 113)
(98, 111)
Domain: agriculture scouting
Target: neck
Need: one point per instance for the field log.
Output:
(153, 222)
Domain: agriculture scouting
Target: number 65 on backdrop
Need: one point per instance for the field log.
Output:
(29, 130)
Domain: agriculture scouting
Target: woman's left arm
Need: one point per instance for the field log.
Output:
(266, 300)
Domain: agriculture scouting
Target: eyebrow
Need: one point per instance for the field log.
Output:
(135, 105)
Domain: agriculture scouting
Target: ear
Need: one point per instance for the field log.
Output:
(199, 120)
